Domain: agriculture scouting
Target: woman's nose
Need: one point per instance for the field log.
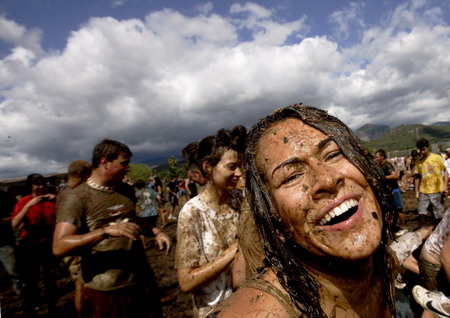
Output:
(326, 181)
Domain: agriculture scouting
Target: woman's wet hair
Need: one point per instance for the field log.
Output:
(211, 148)
(34, 178)
(158, 182)
(283, 255)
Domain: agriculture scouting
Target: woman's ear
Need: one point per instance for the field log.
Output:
(207, 167)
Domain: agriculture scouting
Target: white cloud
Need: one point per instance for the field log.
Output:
(159, 83)
(263, 25)
(118, 3)
(205, 8)
(16, 34)
(347, 19)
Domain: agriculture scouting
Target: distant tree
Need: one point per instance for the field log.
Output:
(175, 169)
(172, 164)
(140, 171)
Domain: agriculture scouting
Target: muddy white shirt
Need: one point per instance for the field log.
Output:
(202, 235)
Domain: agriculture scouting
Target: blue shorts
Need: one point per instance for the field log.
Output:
(398, 199)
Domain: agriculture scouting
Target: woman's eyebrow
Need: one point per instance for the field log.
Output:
(285, 163)
(324, 143)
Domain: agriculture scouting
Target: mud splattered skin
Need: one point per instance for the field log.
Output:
(317, 201)
(309, 180)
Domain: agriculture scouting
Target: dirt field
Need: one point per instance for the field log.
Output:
(176, 304)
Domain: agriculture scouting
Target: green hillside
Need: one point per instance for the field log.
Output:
(404, 137)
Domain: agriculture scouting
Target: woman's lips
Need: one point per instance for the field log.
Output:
(338, 209)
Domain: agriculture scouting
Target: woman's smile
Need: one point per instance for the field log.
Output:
(324, 201)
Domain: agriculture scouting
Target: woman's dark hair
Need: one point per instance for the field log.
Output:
(111, 149)
(283, 257)
(211, 148)
(33, 178)
(158, 182)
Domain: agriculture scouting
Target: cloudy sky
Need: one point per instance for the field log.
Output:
(158, 74)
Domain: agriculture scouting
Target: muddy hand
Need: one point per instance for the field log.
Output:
(163, 241)
(127, 229)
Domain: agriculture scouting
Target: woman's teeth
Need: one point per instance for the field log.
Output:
(339, 210)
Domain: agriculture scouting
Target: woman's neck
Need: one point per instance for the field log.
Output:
(353, 289)
(215, 197)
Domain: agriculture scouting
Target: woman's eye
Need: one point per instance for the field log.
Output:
(291, 178)
(332, 155)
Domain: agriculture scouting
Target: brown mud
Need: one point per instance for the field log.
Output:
(176, 304)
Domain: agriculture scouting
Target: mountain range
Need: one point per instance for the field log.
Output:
(374, 136)
(404, 137)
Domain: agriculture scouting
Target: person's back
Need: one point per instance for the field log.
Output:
(147, 203)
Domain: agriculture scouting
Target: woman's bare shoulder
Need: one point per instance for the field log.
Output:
(249, 302)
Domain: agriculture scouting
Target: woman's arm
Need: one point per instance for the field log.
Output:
(191, 279)
(17, 219)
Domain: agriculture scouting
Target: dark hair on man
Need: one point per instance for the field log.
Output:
(79, 169)
(382, 153)
(189, 153)
(211, 148)
(140, 184)
(422, 142)
(282, 256)
(111, 149)
(34, 178)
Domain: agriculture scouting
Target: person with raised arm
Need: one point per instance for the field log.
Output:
(97, 220)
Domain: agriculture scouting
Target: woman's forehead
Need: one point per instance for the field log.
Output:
(288, 131)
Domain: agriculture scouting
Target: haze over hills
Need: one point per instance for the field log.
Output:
(404, 137)
(441, 123)
(369, 132)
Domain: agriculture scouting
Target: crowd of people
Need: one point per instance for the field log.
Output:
(293, 218)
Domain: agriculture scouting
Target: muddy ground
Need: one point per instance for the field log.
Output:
(176, 304)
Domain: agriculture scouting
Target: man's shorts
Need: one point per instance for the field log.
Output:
(398, 199)
(433, 276)
(173, 200)
(435, 200)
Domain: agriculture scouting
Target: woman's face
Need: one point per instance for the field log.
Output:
(226, 174)
(324, 201)
(38, 188)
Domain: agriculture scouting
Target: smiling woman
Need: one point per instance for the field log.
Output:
(318, 201)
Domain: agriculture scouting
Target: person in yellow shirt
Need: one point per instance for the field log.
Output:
(430, 182)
